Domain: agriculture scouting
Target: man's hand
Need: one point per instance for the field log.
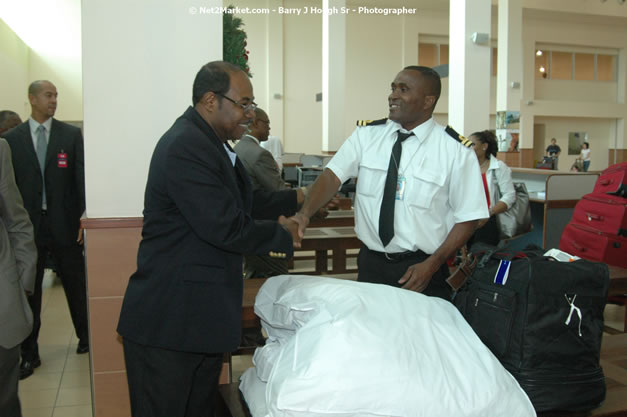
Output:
(334, 203)
(303, 222)
(419, 275)
(293, 227)
(79, 239)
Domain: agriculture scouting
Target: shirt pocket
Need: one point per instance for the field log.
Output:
(424, 188)
(371, 178)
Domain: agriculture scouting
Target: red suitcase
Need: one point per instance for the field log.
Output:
(590, 244)
(604, 212)
(613, 180)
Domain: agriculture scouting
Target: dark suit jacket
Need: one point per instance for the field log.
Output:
(186, 294)
(65, 184)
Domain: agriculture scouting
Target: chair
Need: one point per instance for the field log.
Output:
(311, 160)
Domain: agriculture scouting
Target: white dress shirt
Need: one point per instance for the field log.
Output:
(443, 184)
(34, 125)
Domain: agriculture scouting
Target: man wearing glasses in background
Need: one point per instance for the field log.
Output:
(182, 307)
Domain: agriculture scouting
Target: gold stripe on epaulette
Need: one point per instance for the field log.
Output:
(362, 123)
(465, 141)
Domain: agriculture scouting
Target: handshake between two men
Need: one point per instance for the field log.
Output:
(317, 200)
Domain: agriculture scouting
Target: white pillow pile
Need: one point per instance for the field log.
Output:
(345, 348)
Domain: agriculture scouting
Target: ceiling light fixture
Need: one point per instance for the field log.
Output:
(538, 53)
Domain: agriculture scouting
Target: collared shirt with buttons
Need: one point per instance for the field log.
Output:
(34, 125)
(443, 184)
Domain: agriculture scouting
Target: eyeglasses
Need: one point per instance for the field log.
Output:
(245, 107)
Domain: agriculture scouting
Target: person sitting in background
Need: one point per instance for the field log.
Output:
(585, 156)
(275, 147)
(496, 175)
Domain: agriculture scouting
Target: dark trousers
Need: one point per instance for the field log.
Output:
(168, 383)
(9, 377)
(70, 265)
(376, 268)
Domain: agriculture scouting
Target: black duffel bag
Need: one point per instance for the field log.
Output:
(543, 320)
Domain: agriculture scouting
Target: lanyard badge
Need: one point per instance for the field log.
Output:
(400, 187)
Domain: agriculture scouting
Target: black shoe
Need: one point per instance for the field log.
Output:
(27, 368)
(82, 348)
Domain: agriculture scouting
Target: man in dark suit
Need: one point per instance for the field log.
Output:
(182, 307)
(264, 174)
(49, 172)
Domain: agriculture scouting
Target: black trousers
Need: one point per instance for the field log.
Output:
(9, 377)
(70, 263)
(376, 268)
(169, 383)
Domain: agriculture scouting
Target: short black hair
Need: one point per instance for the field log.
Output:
(215, 77)
(35, 87)
(587, 145)
(486, 136)
(6, 114)
(433, 80)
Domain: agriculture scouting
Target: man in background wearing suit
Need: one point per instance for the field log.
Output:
(182, 308)
(264, 174)
(8, 120)
(18, 259)
(49, 172)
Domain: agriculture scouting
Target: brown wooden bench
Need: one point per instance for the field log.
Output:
(613, 360)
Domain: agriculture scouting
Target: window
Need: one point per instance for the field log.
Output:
(561, 65)
(606, 67)
(584, 67)
(578, 66)
(428, 55)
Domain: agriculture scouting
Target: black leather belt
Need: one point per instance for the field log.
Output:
(399, 256)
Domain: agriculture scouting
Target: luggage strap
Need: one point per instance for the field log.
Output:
(459, 277)
(573, 308)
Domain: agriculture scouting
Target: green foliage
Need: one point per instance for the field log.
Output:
(234, 41)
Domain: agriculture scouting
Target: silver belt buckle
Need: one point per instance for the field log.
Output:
(387, 257)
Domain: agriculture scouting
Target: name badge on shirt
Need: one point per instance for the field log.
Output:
(62, 160)
(400, 187)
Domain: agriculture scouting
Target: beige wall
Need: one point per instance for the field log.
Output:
(136, 81)
(14, 64)
(302, 43)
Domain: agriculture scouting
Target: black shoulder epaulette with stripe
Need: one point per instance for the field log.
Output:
(452, 133)
(362, 123)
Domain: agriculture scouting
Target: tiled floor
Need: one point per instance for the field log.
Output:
(61, 387)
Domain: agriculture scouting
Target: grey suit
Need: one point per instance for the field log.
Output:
(260, 165)
(264, 174)
(18, 260)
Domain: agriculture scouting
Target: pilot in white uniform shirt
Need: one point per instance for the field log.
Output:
(440, 184)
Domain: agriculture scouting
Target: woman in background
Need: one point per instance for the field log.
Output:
(496, 175)
(585, 156)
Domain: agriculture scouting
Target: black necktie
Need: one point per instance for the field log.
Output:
(386, 216)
